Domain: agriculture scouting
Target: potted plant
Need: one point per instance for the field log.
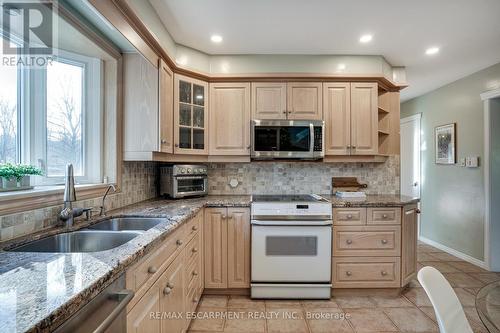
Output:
(17, 176)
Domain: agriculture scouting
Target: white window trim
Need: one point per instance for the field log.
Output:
(92, 124)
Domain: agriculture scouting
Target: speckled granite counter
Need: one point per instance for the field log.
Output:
(38, 291)
(371, 201)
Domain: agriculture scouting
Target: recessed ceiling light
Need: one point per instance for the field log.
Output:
(216, 38)
(432, 50)
(365, 38)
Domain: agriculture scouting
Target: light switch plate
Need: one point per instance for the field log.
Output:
(472, 161)
(462, 162)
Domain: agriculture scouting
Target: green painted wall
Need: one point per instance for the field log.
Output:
(453, 196)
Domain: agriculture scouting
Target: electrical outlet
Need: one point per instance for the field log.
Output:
(462, 162)
(472, 161)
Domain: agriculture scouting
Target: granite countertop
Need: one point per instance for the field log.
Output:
(382, 200)
(39, 291)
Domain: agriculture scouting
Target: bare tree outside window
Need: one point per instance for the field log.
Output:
(8, 114)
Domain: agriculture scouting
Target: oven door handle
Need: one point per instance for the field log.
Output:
(285, 223)
(190, 177)
(311, 142)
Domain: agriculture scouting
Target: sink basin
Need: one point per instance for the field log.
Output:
(127, 223)
(78, 241)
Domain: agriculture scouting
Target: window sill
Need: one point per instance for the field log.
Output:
(44, 196)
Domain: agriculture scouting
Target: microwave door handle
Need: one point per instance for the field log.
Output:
(311, 141)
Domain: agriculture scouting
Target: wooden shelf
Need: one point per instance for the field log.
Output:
(381, 110)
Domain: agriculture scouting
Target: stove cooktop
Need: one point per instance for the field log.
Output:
(288, 198)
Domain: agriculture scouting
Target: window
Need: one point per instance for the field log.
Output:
(51, 116)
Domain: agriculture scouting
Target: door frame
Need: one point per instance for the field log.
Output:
(417, 116)
(486, 97)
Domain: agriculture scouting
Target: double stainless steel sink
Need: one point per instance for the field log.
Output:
(101, 236)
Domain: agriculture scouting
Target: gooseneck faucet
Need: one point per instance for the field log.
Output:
(103, 207)
(67, 214)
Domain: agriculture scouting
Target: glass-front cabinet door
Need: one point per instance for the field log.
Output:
(190, 116)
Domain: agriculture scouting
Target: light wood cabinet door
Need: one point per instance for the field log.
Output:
(139, 318)
(172, 296)
(268, 100)
(337, 117)
(304, 100)
(409, 235)
(166, 107)
(190, 116)
(238, 247)
(364, 118)
(215, 239)
(229, 119)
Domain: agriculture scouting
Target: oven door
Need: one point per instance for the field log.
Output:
(291, 253)
(278, 139)
(189, 185)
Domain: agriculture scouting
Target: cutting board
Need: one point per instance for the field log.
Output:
(347, 184)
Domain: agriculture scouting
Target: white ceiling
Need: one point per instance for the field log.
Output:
(467, 32)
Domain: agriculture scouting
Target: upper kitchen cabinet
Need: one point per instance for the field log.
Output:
(190, 116)
(351, 118)
(166, 107)
(269, 100)
(229, 121)
(304, 100)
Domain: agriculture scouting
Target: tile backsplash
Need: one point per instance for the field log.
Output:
(300, 177)
(138, 184)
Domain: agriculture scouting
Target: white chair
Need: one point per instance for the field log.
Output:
(449, 312)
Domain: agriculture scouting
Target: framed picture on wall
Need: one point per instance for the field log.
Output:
(445, 138)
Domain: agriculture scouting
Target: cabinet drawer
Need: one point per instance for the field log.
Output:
(366, 272)
(193, 295)
(153, 265)
(193, 248)
(349, 216)
(194, 225)
(383, 216)
(367, 241)
(193, 271)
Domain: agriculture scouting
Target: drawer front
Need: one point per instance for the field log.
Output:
(152, 266)
(193, 295)
(383, 216)
(367, 241)
(366, 272)
(194, 225)
(193, 248)
(349, 216)
(193, 272)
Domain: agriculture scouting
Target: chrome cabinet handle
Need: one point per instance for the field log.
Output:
(348, 241)
(152, 269)
(348, 273)
(179, 242)
(384, 241)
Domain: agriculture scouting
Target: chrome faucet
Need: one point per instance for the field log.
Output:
(103, 207)
(68, 214)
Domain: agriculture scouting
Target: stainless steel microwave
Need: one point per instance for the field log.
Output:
(287, 139)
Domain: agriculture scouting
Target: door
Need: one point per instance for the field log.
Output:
(291, 253)
(337, 116)
(364, 119)
(166, 107)
(238, 247)
(304, 100)
(172, 291)
(139, 318)
(215, 239)
(409, 237)
(229, 119)
(190, 116)
(268, 100)
(410, 156)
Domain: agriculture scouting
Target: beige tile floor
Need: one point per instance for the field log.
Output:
(410, 312)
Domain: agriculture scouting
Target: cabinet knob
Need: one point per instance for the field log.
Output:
(195, 300)
(170, 285)
(384, 216)
(384, 241)
(163, 141)
(194, 250)
(349, 216)
(418, 211)
(384, 273)
(179, 242)
(176, 145)
(284, 111)
(224, 217)
(167, 291)
(348, 241)
(195, 273)
(348, 273)
(248, 147)
(152, 269)
(289, 111)
(194, 228)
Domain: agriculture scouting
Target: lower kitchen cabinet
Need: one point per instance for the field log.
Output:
(409, 237)
(172, 301)
(139, 318)
(227, 248)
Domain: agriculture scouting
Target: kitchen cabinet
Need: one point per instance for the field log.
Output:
(190, 116)
(409, 235)
(166, 107)
(139, 318)
(227, 248)
(229, 119)
(304, 100)
(351, 118)
(172, 290)
(269, 100)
